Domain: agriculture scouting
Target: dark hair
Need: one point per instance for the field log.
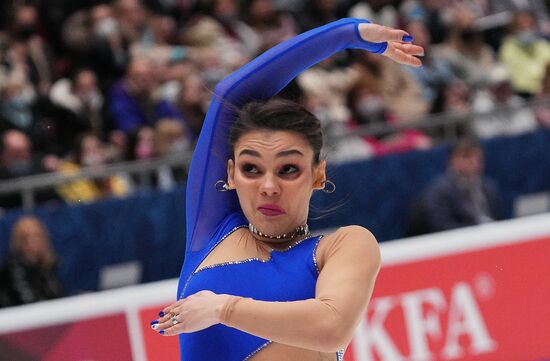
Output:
(278, 114)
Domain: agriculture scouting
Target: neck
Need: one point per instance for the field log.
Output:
(299, 232)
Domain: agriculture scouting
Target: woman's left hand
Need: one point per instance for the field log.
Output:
(194, 313)
(399, 47)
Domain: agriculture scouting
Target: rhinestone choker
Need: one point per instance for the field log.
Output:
(302, 230)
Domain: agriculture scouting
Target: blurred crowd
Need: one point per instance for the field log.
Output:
(89, 83)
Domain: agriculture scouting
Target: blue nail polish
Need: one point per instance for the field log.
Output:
(408, 38)
(161, 314)
(161, 332)
(154, 322)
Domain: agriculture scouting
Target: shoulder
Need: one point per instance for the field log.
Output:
(351, 242)
(442, 183)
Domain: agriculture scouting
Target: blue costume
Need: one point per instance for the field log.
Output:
(211, 215)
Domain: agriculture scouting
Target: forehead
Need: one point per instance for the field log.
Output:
(468, 153)
(267, 141)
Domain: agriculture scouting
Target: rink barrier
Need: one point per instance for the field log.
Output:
(477, 293)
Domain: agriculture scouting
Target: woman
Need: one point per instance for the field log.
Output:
(29, 272)
(254, 281)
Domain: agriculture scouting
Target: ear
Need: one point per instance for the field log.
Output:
(231, 173)
(319, 175)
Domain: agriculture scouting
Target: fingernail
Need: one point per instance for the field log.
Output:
(154, 322)
(161, 314)
(155, 326)
(408, 38)
(161, 332)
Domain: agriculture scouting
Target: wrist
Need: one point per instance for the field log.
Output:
(220, 307)
(225, 307)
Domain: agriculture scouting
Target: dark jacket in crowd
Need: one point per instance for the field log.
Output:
(449, 204)
(22, 283)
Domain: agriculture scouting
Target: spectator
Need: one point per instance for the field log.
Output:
(29, 272)
(192, 102)
(462, 196)
(525, 54)
(93, 39)
(436, 14)
(318, 13)
(34, 49)
(452, 98)
(401, 93)
(499, 110)
(366, 103)
(132, 102)
(465, 49)
(542, 110)
(82, 97)
(436, 72)
(219, 39)
(141, 144)
(90, 152)
(133, 20)
(17, 159)
(378, 11)
(326, 84)
(271, 25)
(16, 103)
(170, 138)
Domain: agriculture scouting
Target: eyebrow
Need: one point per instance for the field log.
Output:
(284, 153)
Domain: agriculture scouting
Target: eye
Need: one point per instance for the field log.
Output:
(288, 169)
(249, 168)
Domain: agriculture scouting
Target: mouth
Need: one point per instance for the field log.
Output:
(270, 210)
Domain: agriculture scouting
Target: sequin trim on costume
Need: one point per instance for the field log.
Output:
(314, 255)
(255, 259)
(217, 243)
(340, 355)
(257, 350)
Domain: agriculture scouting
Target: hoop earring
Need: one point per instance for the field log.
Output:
(328, 190)
(222, 186)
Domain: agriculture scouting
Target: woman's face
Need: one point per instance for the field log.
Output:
(91, 152)
(32, 244)
(274, 178)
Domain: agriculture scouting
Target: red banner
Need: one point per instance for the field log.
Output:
(102, 338)
(491, 304)
(485, 305)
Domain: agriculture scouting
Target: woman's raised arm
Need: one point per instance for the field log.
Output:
(261, 79)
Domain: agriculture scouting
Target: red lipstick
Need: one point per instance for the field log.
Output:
(271, 210)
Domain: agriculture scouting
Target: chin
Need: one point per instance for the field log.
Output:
(272, 225)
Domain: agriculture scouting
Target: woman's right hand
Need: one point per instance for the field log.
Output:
(399, 47)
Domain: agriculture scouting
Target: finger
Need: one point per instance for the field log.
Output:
(174, 330)
(164, 326)
(410, 49)
(401, 57)
(377, 33)
(398, 35)
(166, 314)
(167, 309)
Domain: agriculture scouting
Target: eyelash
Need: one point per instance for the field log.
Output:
(248, 169)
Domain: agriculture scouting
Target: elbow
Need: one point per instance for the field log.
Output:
(334, 336)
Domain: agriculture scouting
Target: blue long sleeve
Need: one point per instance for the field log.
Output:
(260, 79)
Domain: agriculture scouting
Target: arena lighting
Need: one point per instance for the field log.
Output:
(458, 295)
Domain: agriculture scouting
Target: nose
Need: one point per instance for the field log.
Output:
(269, 186)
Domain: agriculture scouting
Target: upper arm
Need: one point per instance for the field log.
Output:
(351, 261)
(260, 79)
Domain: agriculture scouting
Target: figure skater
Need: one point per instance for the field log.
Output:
(255, 283)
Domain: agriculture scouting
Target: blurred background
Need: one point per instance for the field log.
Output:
(101, 103)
